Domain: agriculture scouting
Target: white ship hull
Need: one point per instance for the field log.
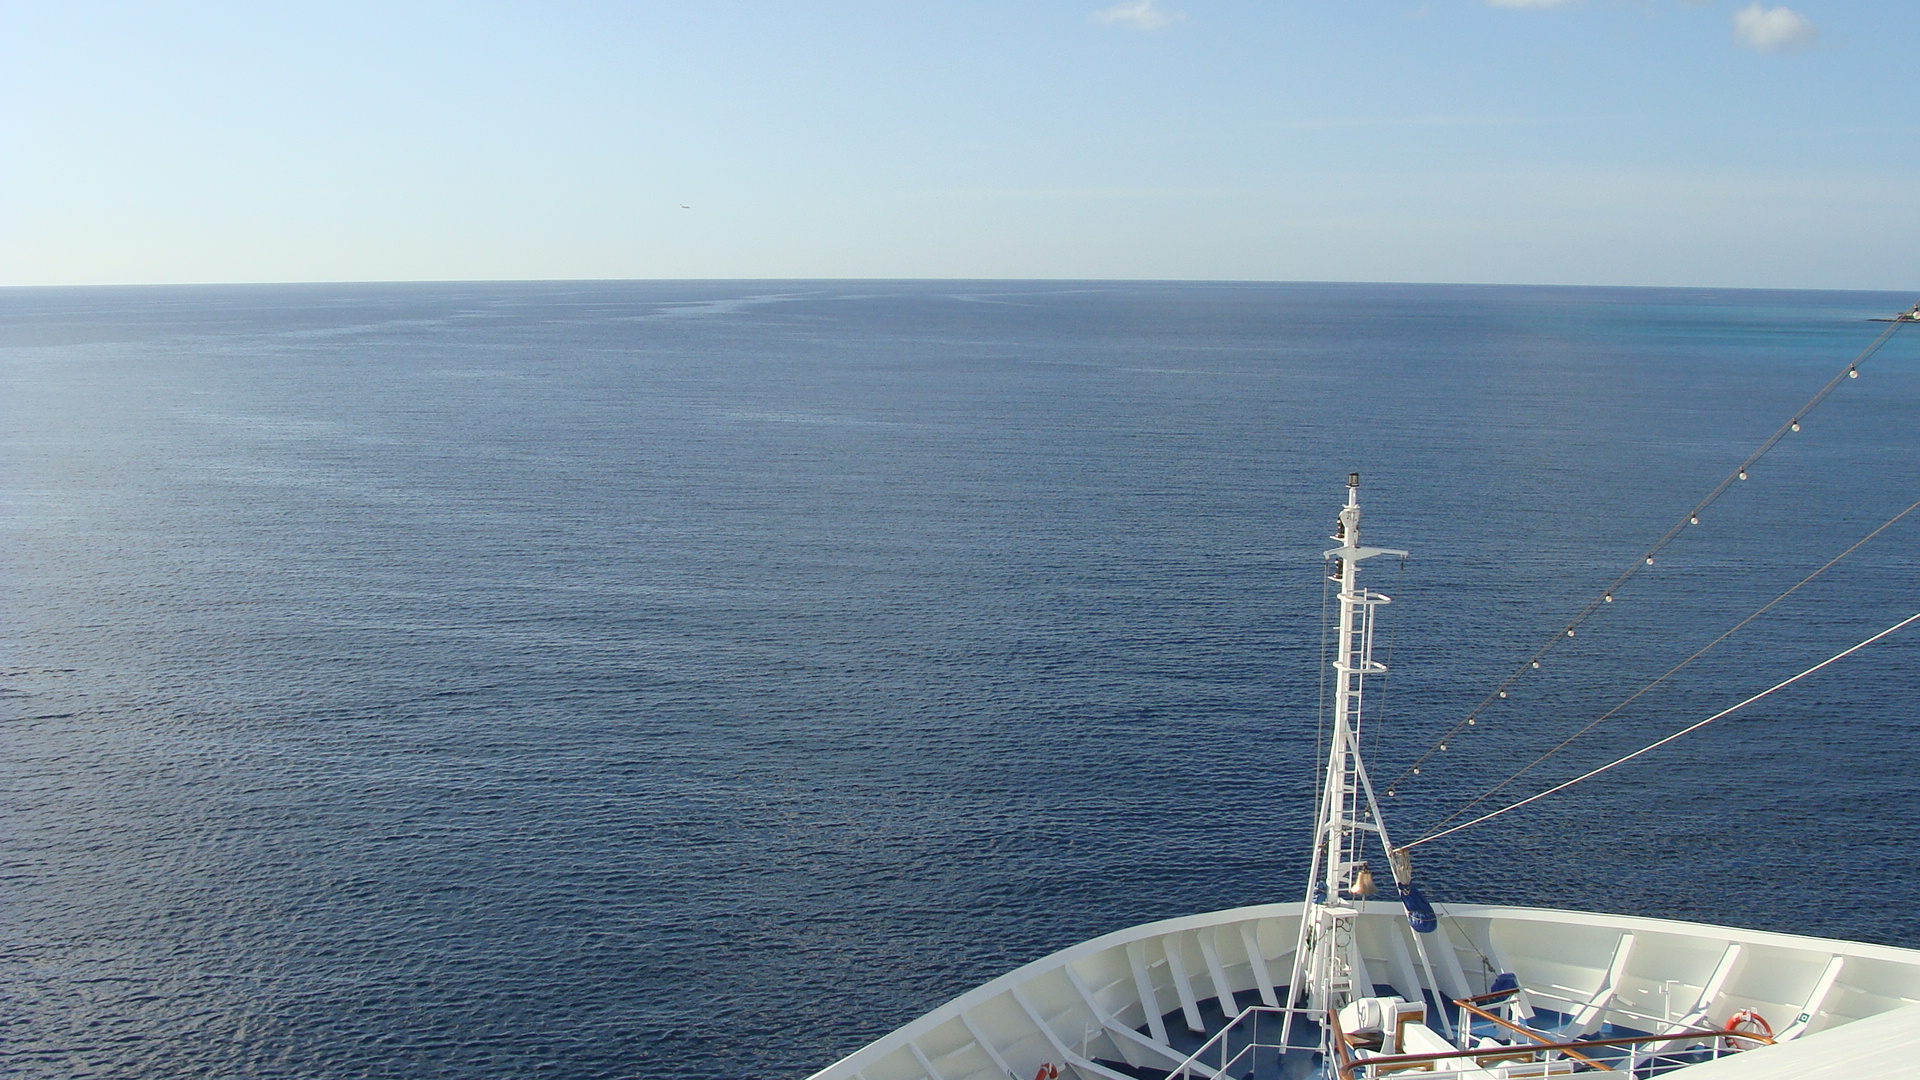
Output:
(1141, 999)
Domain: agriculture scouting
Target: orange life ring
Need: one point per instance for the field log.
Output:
(1737, 1024)
(1049, 1071)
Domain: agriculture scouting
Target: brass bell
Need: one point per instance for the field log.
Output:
(1362, 882)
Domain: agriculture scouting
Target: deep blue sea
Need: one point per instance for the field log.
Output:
(701, 679)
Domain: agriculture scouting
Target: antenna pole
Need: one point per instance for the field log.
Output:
(1326, 957)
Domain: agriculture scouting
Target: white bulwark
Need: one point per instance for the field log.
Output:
(1090, 1010)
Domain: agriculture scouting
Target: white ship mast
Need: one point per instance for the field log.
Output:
(1328, 969)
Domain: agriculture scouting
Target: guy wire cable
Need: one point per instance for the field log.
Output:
(1379, 714)
(1689, 729)
(1675, 669)
(1692, 517)
(1320, 711)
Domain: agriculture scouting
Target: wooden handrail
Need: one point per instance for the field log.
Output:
(1493, 1053)
(1345, 1063)
(1342, 1053)
(1518, 1030)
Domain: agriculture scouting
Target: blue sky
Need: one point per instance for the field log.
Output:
(1656, 142)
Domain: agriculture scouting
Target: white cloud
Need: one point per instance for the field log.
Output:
(1773, 29)
(1139, 14)
(1527, 3)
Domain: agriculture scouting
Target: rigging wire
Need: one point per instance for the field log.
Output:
(1689, 729)
(1670, 672)
(1377, 723)
(1320, 735)
(1692, 517)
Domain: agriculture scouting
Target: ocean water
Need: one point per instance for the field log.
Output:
(702, 679)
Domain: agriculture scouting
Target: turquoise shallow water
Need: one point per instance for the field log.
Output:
(700, 679)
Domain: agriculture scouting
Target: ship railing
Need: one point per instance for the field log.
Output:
(1673, 1046)
(1589, 1056)
(1249, 1045)
(1571, 999)
(1541, 1055)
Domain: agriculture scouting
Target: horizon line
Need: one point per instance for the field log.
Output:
(348, 282)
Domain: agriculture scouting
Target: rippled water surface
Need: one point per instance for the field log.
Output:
(699, 680)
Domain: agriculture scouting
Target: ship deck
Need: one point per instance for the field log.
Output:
(1138, 1004)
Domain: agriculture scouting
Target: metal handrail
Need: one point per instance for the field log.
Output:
(1193, 1061)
